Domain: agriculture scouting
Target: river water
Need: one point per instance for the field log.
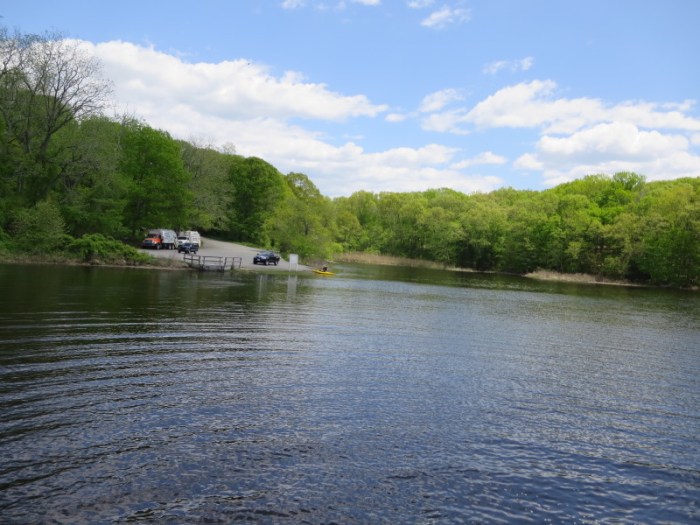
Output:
(379, 395)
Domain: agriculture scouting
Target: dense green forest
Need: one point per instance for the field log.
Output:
(76, 182)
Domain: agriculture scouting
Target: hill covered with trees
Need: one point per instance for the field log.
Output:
(77, 182)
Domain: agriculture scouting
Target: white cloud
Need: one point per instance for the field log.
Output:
(528, 105)
(651, 115)
(445, 122)
(618, 139)
(672, 166)
(509, 65)
(580, 136)
(239, 89)
(525, 63)
(445, 16)
(438, 100)
(528, 161)
(484, 158)
(609, 148)
(397, 117)
(350, 168)
(532, 105)
(523, 105)
(420, 4)
(408, 157)
(494, 67)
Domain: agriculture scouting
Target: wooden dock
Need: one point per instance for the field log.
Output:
(215, 263)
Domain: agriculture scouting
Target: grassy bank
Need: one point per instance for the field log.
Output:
(89, 250)
(63, 259)
(387, 260)
(543, 275)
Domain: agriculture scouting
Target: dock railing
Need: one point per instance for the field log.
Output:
(212, 262)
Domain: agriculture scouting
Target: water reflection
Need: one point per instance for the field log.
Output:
(291, 286)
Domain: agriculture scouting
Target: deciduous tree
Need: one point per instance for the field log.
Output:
(257, 188)
(46, 82)
(157, 194)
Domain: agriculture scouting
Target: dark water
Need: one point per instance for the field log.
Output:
(381, 395)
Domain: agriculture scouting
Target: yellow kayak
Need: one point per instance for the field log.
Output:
(321, 272)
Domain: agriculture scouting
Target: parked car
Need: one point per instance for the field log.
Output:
(188, 247)
(266, 258)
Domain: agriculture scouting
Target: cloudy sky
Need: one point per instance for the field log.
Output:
(405, 95)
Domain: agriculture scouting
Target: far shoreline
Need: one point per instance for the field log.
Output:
(352, 258)
(540, 275)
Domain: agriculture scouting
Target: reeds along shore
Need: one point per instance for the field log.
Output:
(543, 275)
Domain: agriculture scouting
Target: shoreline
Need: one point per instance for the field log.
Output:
(582, 278)
(541, 275)
(173, 264)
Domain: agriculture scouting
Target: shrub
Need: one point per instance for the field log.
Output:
(95, 247)
(39, 229)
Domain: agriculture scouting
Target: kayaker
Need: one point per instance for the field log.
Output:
(325, 268)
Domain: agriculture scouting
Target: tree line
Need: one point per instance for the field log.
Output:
(72, 179)
(618, 227)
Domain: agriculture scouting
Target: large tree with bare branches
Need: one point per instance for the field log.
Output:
(46, 82)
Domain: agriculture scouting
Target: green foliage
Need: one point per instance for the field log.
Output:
(303, 221)
(357, 222)
(5, 243)
(348, 231)
(156, 180)
(257, 189)
(38, 229)
(484, 226)
(96, 247)
(670, 239)
(208, 185)
(93, 192)
(618, 227)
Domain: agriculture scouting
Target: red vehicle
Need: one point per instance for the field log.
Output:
(152, 241)
(165, 239)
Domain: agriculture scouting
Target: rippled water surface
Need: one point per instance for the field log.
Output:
(381, 395)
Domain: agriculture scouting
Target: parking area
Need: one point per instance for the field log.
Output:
(226, 249)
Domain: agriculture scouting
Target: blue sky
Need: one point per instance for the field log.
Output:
(405, 95)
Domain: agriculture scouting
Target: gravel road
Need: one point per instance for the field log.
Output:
(226, 249)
